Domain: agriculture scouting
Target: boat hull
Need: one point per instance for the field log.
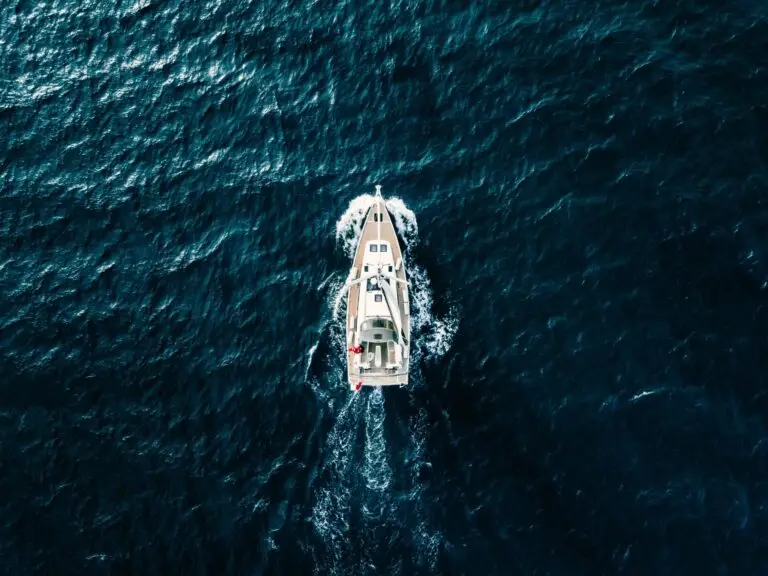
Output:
(377, 228)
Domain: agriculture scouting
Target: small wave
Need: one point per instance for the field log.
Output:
(324, 283)
(427, 540)
(645, 394)
(310, 354)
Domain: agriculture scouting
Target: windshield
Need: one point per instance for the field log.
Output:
(379, 330)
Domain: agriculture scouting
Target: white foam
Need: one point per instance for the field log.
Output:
(310, 354)
(404, 220)
(340, 291)
(324, 283)
(350, 224)
(645, 393)
(330, 515)
(376, 470)
(432, 335)
(441, 338)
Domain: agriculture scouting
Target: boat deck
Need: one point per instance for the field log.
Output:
(371, 230)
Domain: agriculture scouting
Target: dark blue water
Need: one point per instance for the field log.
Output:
(583, 197)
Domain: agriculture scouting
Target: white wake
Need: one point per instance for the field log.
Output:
(376, 470)
(330, 514)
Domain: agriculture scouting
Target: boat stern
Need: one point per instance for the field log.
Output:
(357, 382)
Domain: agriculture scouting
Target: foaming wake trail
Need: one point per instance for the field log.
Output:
(353, 488)
(331, 512)
(310, 356)
(376, 470)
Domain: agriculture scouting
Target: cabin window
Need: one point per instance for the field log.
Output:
(374, 248)
(383, 248)
(377, 297)
(390, 268)
(365, 268)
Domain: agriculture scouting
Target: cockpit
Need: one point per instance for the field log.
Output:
(378, 330)
(381, 350)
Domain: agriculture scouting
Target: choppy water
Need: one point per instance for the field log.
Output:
(581, 190)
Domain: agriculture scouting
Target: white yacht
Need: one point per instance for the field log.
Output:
(378, 310)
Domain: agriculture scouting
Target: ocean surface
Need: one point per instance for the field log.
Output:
(581, 189)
